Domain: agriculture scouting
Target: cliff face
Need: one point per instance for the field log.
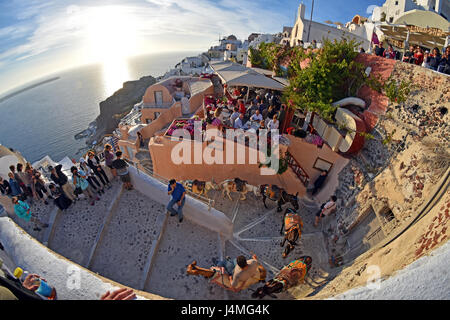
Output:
(122, 101)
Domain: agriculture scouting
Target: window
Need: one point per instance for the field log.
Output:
(396, 3)
(391, 19)
(158, 97)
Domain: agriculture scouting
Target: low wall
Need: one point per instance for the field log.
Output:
(193, 210)
(161, 150)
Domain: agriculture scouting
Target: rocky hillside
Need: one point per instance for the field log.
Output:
(121, 102)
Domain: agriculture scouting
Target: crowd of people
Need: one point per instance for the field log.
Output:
(433, 60)
(263, 110)
(27, 186)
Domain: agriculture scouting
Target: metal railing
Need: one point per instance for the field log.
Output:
(208, 201)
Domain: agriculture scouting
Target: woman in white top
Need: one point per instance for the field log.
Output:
(274, 123)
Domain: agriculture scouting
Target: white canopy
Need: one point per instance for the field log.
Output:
(234, 74)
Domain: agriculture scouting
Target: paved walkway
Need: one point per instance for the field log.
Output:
(128, 238)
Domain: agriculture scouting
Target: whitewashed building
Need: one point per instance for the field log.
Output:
(308, 31)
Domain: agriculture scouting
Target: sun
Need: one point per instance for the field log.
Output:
(111, 32)
(111, 39)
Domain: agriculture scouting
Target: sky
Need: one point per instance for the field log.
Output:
(40, 37)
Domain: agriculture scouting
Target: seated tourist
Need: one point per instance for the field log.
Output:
(325, 210)
(409, 55)
(242, 108)
(444, 65)
(434, 59)
(389, 53)
(379, 50)
(217, 121)
(60, 199)
(243, 271)
(418, 56)
(271, 112)
(239, 122)
(234, 116)
(257, 116)
(274, 123)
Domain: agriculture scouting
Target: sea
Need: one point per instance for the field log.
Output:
(44, 120)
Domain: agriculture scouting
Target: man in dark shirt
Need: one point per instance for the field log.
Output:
(178, 196)
(409, 55)
(122, 170)
(61, 179)
(379, 50)
(319, 181)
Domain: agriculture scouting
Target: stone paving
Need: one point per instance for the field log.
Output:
(129, 232)
(122, 252)
(180, 245)
(76, 228)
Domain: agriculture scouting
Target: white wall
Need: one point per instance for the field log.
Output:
(193, 210)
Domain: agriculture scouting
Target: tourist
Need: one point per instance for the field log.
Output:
(409, 55)
(61, 180)
(252, 108)
(418, 56)
(390, 53)
(60, 199)
(38, 187)
(109, 158)
(319, 181)
(94, 163)
(14, 185)
(273, 124)
(234, 116)
(361, 50)
(325, 210)
(5, 188)
(17, 178)
(79, 180)
(26, 181)
(434, 59)
(119, 294)
(243, 271)
(178, 196)
(121, 167)
(23, 211)
(217, 121)
(242, 107)
(425, 58)
(141, 140)
(379, 50)
(91, 179)
(239, 123)
(444, 65)
(271, 112)
(256, 117)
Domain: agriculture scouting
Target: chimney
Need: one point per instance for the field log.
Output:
(301, 11)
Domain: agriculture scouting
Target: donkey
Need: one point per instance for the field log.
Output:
(279, 195)
(216, 276)
(200, 187)
(237, 185)
(292, 224)
(290, 276)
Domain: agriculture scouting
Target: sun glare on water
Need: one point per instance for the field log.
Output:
(112, 37)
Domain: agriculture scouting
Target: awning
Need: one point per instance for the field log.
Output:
(196, 86)
(234, 74)
(426, 37)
